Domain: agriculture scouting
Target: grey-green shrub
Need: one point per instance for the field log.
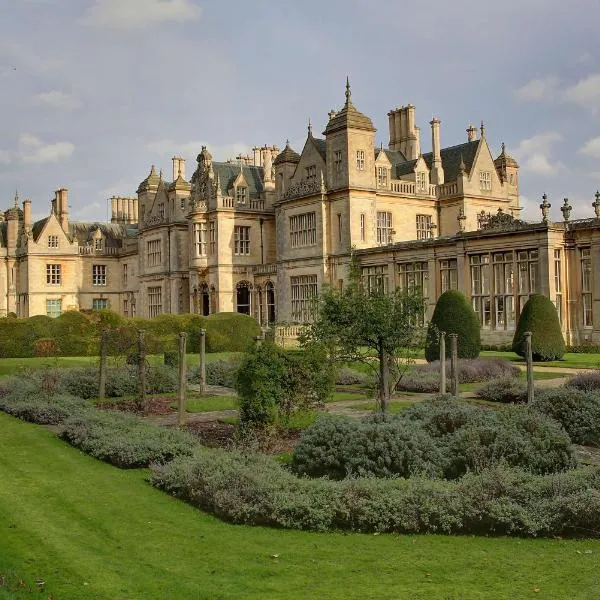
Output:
(587, 381)
(42, 409)
(347, 376)
(218, 372)
(506, 391)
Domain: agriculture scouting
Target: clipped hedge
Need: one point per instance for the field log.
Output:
(504, 390)
(453, 314)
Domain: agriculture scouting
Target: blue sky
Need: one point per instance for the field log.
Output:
(93, 92)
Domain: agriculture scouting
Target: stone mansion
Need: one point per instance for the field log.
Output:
(262, 234)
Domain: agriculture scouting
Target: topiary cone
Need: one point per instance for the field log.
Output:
(540, 317)
(453, 314)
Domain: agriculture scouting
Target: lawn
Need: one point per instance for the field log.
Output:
(537, 376)
(394, 406)
(210, 404)
(571, 360)
(115, 537)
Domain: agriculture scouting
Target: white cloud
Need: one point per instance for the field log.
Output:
(5, 157)
(585, 93)
(534, 153)
(55, 99)
(137, 14)
(33, 150)
(591, 148)
(538, 89)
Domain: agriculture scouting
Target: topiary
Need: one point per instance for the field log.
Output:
(453, 314)
(539, 316)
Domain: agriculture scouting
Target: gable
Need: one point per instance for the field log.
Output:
(48, 226)
(229, 172)
(311, 155)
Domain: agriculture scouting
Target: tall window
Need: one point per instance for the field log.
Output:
(212, 237)
(52, 241)
(200, 239)
(98, 274)
(98, 245)
(53, 307)
(337, 161)
(423, 227)
(243, 297)
(375, 278)
(360, 160)
(504, 289)
(421, 181)
(363, 227)
(53, 274)
(485, 181)
(99, 303)
(527, 261)
(384, 227)
(311, 172)
(125, 307)
(414, 277)
(161, 210)
(125, 267)
(449, 275)
(339, 220)
(241, 240)
(480, 288)
(586, 286)
(558, 283)
(154, 253)
(182, 203)
(154, 301)
(241, 194)
(303, 230)
(270, 293)
(382, 176)
(304, 290)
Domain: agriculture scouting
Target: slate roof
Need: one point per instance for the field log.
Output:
(288, 154)
(3, 234)
(112, 232)
(394, 156)
(348, 117)
(228, 173)
(37, 227)
(321, 147)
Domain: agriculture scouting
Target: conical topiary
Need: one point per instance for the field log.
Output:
(453, 314)
(539, 316)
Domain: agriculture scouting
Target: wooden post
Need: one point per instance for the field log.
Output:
(102, 375)
(529, 360)
(141, 370)
(203, 361)
(182, 378)
(443, 362)
(454, 364)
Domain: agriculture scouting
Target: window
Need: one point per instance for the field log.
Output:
(480, 288)
(270, 292)
(161, 210)
(304, 290)
(337, 161)
(363, 230)
(182, 203)
(414, 277)
(384, 227)
(154, 301)
(382, 176)
(98, 245)
(243, 298)
(339, 220)
(504, 289)
(448, 275)
(98, 274)
(311, 172)
(154, 253)
(375, 278)
(586, 286)
(360, 160)
(99, 304)
(54, 307)
(212, 237)
(52, 241)
(241, 240)
(241, 193)
(558, 283)
(125, 266)
(200, 239)
(125, 307)
(485, 181)
(423, 227)
(421, 181)
(527, 267)
(53, 274)
(303, 230)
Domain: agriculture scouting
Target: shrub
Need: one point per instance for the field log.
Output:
(161, 379)
(75, 334)
(539, 316)
(453, 314)
(218, 372)
(577, 411)
(46, 347)
(503, 390)
(230, 332)
(43, 409)
(124, 440)
(171, 359)
(586, 382)
(347, 376)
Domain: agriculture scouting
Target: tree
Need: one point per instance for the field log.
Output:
(380, 328)
(539, 316)
(453, 314)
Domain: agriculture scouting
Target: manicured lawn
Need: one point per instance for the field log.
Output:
(91, 531)
(343, 396)
(537, 376)
(395, 406)
(570, 360)
(210, 404)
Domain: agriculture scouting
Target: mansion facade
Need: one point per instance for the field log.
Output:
(263, 234)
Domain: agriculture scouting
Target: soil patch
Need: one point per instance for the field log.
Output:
(155, 405)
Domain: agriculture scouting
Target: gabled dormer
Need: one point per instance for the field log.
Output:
(422, 176)
(383, 170)
(240, 190)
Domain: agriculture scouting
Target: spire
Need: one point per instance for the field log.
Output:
(503, 153)
(16, 198)
(482, 129)
(309, 128)
(348, 92)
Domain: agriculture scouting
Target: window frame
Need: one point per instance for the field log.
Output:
(99, 275)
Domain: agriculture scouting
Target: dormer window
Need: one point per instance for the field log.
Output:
(311, 172)
(360, 160)
(241, 193)
(98, 244)
(421, 181)
(485, 181)
(382, 176)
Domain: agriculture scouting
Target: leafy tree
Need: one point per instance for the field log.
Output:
(380, 328)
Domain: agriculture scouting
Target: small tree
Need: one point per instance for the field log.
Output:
(453, 314)
(380, 328)
(539, 316)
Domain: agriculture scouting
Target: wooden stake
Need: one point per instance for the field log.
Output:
(202, 361)
(454, 364)
(443, 362)
(529, 360)
(182, 378)
(102, 375)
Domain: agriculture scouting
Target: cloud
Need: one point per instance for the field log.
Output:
(33, 150)
(55, 99)
(137, 14)
(591, 148)
(534, 153)
(193, 148)
(585, 93)
(538, 89)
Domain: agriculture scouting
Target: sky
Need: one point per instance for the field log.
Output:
(93, 92)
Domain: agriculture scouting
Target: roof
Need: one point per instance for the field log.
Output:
(3, 234)
(348, 118)
(394, 156)
(452, 156)
(228, 173)
(153, 179)
(287, 155)
(321, 147)
(112, 232)
(37, 227)
(505, 160)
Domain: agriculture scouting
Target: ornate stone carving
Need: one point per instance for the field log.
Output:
(304, 188)
(501, 221)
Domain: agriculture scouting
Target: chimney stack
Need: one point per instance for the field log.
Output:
(27, 215)
(130, 210)
(437, 172)
(63, 208)
(471, 133)
(178, 167)
(113, 210)
(135, 211)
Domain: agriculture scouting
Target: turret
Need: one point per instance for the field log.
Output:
(285, 164)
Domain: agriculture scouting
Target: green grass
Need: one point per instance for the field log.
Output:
(115, 537)
(299, 420)
(210, 404)
(343, 396)
(570, 360)
(395, 406)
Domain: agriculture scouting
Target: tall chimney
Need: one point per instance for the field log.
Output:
(398, 127)
(412, 143)
(27, 215)
(63, 208)
(113, 210)
(391, 121)
(471, 133)
(437, 172)
(130, 210)
(12, 228)
(120, 210)
(417, 147)
(135, 211)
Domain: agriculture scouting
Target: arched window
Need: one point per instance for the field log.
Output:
(270, 291)
(243, 297)
(205, 299)
(259, 304)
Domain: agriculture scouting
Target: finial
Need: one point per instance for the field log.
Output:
(152, 170)
(482, 129)
(160, 175)
(16, 198)
(503, 149)
(348, 93)
(596, 205)
(309, 128)
(462, 167)
(287, 143)
(566, 209)
(545, 208)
